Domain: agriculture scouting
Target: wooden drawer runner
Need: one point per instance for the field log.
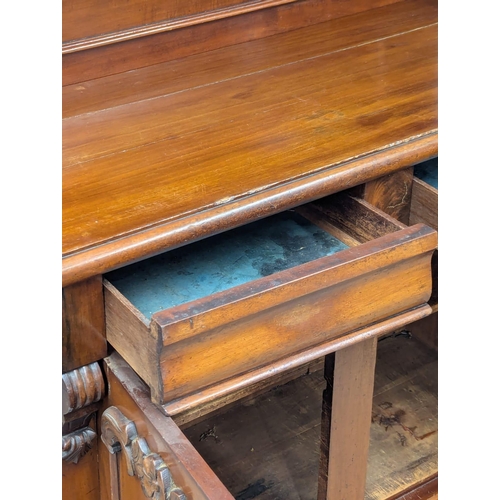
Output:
(352, 266)
(424, 196)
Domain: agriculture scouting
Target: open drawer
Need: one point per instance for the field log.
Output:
(209, 318)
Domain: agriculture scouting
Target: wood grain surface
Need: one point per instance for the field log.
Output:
(353, 377)
(148, 44)
(133, 170)
(91, 18)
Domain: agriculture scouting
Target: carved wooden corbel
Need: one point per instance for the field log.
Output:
(119, 433)
(77, 444)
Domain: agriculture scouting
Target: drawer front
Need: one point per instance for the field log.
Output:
(192, 346)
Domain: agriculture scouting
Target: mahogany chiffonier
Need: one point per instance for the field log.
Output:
(249, 262)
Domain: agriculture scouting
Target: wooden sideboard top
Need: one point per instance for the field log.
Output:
(160, 156)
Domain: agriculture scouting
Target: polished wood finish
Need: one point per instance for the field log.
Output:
(227, 63)
(83, 336)
(122, 20)
(182, 120)
(118, 52)
(173, 234)
(223, 345)
(214, 393)
(119, 434)
(188, 469)
(135, 177)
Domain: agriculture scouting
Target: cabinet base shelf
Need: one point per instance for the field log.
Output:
(268, 445)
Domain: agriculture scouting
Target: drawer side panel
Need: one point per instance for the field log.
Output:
(424, 204)
(127, 332)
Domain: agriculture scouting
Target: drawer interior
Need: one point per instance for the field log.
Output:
(248, 253)
(267, 446)
(223, 261)
(427, 171)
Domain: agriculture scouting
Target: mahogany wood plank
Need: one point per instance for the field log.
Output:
(249, 105)
(243, 59)
(178, 232)
(251, 379)
(83, 336)
(119, 52)
(129, 170)
(353, 379)
(90, 18)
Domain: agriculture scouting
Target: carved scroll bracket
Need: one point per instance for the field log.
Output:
(119, 433)
(77, 444)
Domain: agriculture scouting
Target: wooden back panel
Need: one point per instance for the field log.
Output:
(102, 39)
(95, 18)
